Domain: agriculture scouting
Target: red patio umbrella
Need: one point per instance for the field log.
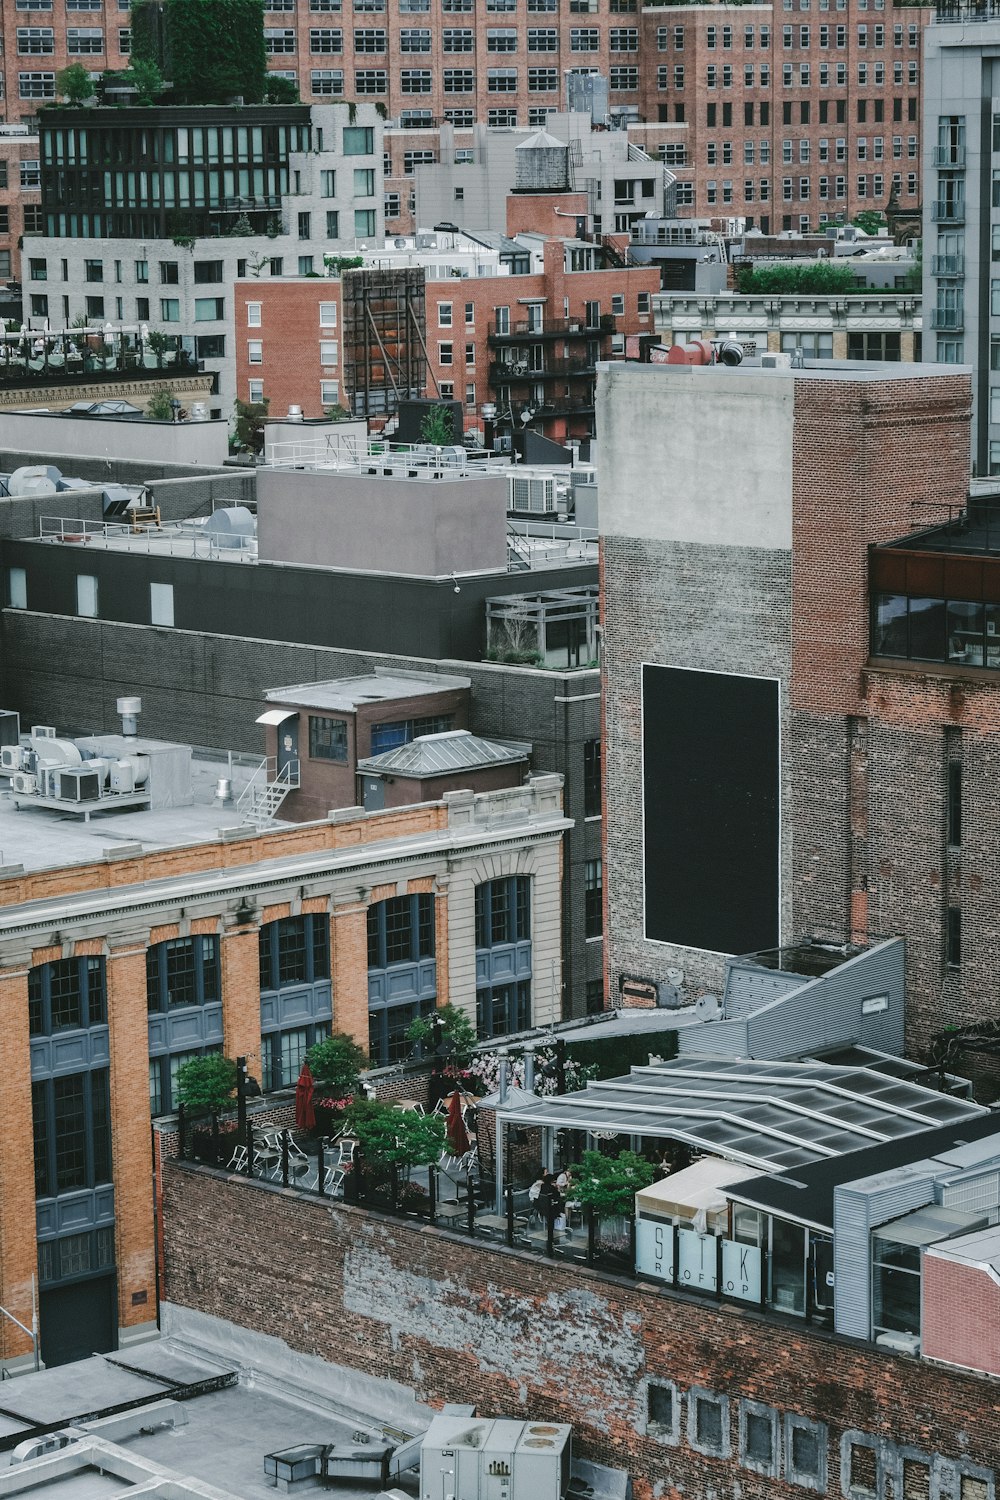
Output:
(458, 1139)
(305, 1115)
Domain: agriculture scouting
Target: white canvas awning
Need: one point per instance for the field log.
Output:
(277, 716)
(692, 1192)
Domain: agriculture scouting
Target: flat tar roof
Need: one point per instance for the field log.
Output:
(346, 694)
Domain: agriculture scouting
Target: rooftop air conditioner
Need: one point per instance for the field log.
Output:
(79, 784)
(902, 1343)
(22, 782)
(534, 496)
(10, 757)
(776, 361)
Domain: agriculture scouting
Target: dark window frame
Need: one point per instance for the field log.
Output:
(67, 980)
(89, 1141)
(294, 950)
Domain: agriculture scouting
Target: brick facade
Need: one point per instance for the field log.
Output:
(371, 857)
(866, 746)
(525, 1337)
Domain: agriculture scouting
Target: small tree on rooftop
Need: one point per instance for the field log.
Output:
(335, 1063)
(74, 84)
(250, 418)
(869, 219)
(159, 406)
(205, 1085)
(608, 1184)
(396, 1137)
(457, 1033)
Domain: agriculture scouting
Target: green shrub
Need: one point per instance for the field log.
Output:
(74, 84)
(335, 1063)
(396, 1137)
(457, 1032)
(821, 278)
(211, 50)
(608, 1184)
(205, 1085)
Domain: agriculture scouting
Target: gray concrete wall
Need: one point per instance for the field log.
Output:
(418, 527)
(128, 438)
(723, 454)
(695, 520)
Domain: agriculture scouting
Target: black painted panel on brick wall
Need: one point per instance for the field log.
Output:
(711, 809)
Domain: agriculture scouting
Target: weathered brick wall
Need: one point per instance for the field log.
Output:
(521, 1336)
(717, 608)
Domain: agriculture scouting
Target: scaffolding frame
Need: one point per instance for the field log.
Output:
(384, 342)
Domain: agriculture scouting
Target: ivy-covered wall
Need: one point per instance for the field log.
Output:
(210, 50)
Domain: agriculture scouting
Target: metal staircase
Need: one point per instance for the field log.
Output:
(266, 791)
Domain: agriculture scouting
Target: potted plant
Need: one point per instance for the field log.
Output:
(335, 1064)
(607, 1185)
(205, 1086)
(394, 1140)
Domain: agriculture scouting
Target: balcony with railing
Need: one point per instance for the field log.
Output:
(949, 156)
(950, 318)
(948, 265)
(502, 373)
(949, 211)
(552, 328)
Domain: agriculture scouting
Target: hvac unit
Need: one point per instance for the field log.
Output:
(776, 361)
(531, 496)
(79, 784)
(22, 782)
(10, 757)
(43, 732)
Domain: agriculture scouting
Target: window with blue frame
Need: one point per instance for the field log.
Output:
(294, 950)
(503, 911)
(67, 995)
(503, 1009)
(503, 956)
(400, 930)
(400, 933)
(72, 1132)
(182, 972)
(284, 1052)
(394, 733)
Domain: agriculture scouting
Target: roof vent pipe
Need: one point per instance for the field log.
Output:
(502, 1084)
(529, 1070)
(129, 709)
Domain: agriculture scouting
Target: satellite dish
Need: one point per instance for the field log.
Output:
(675, 976)
(399, 242)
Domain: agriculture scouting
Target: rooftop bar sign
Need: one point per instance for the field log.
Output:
(700, 1262)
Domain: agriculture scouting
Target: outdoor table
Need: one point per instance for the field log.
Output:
(408, 1104)
(494, 1223)
(451, 1211)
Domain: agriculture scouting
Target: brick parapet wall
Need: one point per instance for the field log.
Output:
(522, 1336)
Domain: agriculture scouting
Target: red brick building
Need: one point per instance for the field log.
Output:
(789, 114)
(528, 342)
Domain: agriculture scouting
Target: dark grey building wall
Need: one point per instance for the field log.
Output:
(314, 606)
(208, 688)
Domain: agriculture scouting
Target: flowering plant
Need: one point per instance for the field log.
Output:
(484, 1070)
(329, 1102)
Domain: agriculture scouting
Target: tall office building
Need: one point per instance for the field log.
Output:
(962, 208)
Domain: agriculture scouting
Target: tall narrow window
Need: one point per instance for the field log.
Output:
(954, 803)
(954, 937)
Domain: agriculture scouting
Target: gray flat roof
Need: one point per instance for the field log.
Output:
(346, 694)
(39, 838)
(771, 1115)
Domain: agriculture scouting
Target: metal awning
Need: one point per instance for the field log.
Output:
(277, 716)
(769, 1115)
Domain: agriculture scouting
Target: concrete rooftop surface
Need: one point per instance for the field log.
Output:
(41, 838)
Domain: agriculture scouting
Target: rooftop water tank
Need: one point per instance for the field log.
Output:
(541, 165)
